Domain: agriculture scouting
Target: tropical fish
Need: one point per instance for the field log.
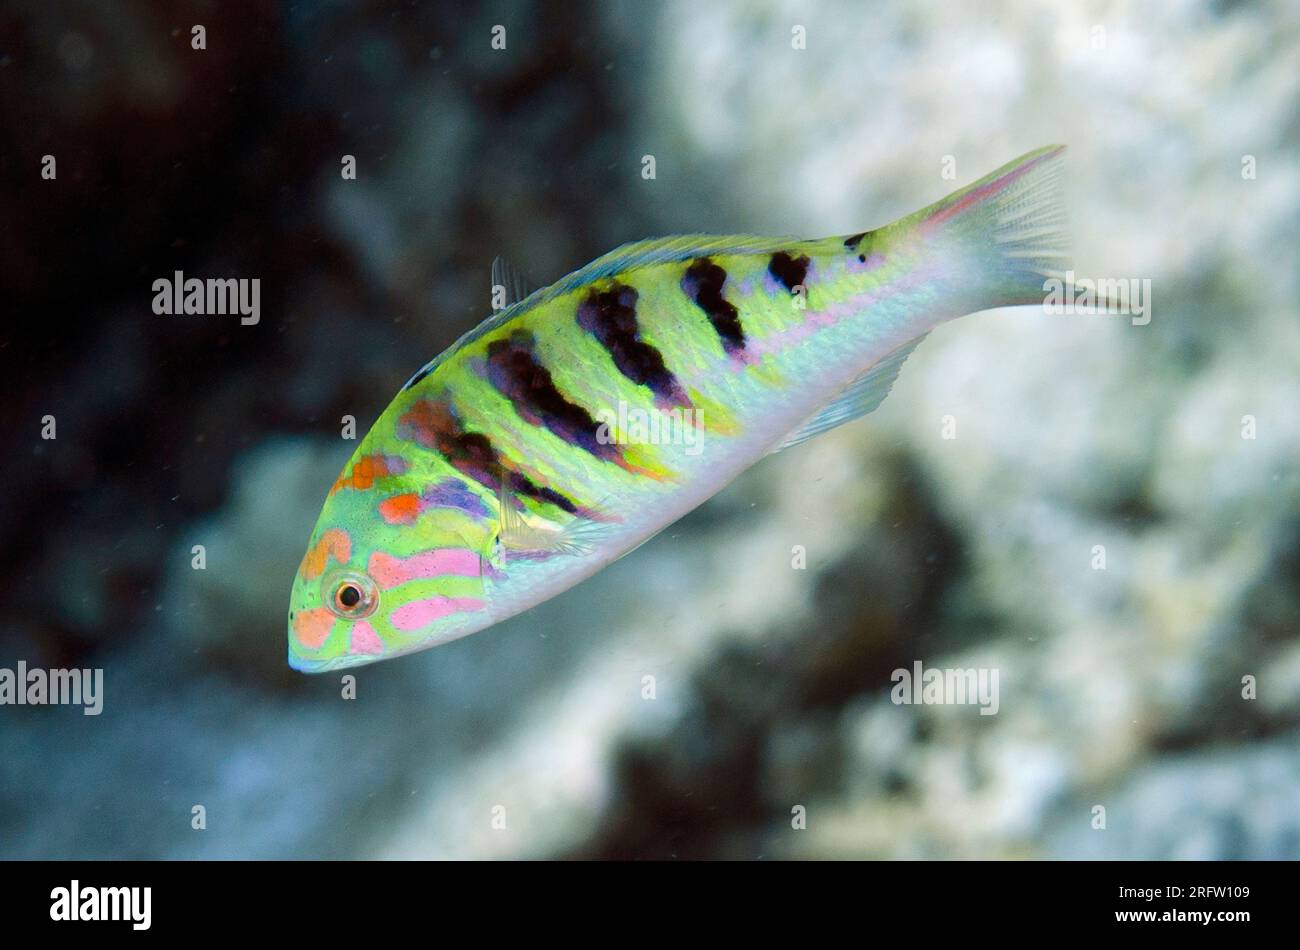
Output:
(581, 420)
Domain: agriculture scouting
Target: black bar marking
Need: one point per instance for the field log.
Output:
(703, 283)
(434, 425)
(610, 316)
(789, 271)
(514, 371)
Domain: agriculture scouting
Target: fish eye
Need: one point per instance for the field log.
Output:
(350, 595)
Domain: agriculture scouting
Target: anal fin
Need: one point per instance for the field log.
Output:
(860, 397)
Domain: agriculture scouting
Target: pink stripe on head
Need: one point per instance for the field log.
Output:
(389, 571)
(421, 613)
(365, 640)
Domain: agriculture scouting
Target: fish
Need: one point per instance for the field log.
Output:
(585, 417)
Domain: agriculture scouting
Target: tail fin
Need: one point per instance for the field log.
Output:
(1007, 231)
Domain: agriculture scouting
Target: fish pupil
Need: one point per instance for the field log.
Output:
(349, 596)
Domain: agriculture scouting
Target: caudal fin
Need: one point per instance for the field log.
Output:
(1006, 233)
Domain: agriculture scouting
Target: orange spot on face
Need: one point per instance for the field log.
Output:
(363, 473)
(400, 509)
(333, 543)
(312, 627)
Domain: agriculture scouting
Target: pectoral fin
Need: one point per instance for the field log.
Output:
(523, 538)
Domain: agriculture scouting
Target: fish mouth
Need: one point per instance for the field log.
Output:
(305, 664)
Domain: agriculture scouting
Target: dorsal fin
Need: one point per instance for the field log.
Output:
(505, 274)
(862, 396)
(680, 247)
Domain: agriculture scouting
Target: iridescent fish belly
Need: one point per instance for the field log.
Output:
(583, 419)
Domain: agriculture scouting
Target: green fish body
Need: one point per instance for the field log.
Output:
(580, 421)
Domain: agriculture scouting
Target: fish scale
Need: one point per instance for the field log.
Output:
(502, 473)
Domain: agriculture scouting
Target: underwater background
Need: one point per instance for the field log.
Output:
(1172, 446)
